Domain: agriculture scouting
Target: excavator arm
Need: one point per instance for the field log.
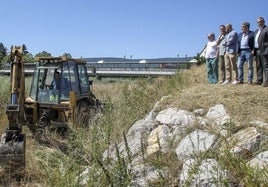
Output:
(15, 111)
(12, 146)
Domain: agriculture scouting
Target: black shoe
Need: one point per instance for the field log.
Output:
(257, 83)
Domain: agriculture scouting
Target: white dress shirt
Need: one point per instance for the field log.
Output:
(211, 50)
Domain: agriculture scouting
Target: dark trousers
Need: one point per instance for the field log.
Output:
(259, 67)
(265, 67)
(222, 68)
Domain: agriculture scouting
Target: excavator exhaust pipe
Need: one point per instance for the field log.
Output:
(12, 154)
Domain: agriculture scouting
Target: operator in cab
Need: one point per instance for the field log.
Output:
(60, 84)
(56, 82)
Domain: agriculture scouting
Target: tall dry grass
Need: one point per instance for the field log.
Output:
(60, 161)
(4, 95)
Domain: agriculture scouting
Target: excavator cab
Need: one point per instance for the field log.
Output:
(60, 87)
(54, 79)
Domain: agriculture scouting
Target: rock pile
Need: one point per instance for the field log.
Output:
(190, 136)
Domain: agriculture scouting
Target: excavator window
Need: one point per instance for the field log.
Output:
(83, 80)
(45, 92)
(73, 77)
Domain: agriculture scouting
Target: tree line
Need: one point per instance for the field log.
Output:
(28, 57)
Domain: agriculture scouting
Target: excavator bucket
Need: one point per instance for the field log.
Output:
(12, 154)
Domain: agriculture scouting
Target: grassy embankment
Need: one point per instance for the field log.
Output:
(127, 102)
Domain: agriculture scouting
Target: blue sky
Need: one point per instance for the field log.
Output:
(118, 28)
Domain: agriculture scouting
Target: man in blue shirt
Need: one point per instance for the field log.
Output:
(230, 55)
(56, 82)
(245, 53)
(61, 84)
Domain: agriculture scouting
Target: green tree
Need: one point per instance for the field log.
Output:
(28, 58)
(3, 50)
(3, 53)
(43, 54)
(6, 60)
(68, 55)
(200, 59)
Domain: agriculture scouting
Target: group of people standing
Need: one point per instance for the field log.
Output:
(233, 50)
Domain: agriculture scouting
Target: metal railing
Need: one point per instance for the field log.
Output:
(123, 69)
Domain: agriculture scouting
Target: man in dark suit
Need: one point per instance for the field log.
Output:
(259, 61)
(263, 50)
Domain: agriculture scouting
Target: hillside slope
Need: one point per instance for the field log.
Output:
(243, 102)
(175, 128)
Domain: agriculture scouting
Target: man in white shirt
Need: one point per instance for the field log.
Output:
(211, 59)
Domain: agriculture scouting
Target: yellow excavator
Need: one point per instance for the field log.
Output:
(51, 104)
